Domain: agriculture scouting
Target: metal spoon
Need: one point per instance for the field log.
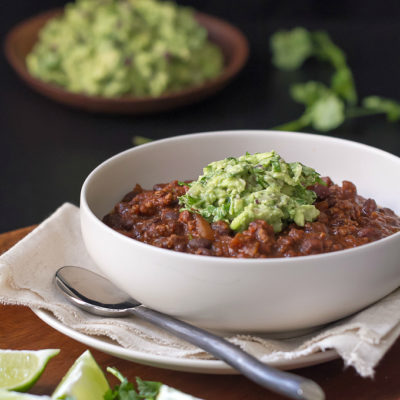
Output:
(96, 295)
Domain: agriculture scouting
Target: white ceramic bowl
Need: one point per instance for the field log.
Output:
(269, 295)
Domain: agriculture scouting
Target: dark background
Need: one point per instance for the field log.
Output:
(47, 149)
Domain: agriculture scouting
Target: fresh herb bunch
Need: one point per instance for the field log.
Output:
(326, 106)
(147, 390)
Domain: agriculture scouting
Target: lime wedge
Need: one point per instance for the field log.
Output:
(5, 395)
(19, 370)
(84, 380)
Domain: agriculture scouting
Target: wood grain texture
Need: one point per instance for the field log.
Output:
(21, 329)
(7, 240)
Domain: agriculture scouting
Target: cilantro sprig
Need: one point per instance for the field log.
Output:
(326, 106)
(146, 390)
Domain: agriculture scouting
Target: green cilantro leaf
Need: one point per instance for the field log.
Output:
(308, 93)
(383, 105)
(342, 83)
(291, 48)
(327, 113)
(326, 50)
(324, 109)
(124, 391)
(148, 389)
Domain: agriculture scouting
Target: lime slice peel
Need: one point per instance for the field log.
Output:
(9, 395)
(20, 369)
(84, 380)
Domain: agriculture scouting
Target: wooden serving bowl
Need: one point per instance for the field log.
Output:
(234, 46)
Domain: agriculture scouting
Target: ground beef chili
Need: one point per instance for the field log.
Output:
(346, 220)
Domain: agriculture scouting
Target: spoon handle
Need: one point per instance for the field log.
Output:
(288, 384)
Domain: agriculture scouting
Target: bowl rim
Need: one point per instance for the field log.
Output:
(222, 260)
(230, 69)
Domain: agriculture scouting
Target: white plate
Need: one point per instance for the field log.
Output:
(178, 364)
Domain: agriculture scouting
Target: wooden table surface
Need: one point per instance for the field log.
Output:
(21, 329)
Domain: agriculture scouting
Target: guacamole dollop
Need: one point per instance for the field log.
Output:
(254, 186)
(124, 47)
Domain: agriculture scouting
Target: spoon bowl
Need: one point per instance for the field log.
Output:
(93, 293)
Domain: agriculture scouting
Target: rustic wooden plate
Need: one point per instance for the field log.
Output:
(232, 42)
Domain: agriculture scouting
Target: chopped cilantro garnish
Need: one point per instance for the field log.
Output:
(253, 186)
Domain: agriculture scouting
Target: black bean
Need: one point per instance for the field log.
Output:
(113, 220)
(159, 186)
(349, 190)
(180, 246)
(321, 191)
(198, 243)
(204, 252)
(368, 207)
(133, 193)
(369, 232)
(170, 214)
(221, 227)
(310, 246)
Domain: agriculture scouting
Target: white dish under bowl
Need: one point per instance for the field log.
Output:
(202, 366)
(244, 295)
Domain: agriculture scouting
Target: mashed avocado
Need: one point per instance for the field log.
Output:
(124, 47)
(259, 186)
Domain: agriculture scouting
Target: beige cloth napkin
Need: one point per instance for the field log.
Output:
(26, 277)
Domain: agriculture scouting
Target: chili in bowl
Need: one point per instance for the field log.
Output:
(186, 264)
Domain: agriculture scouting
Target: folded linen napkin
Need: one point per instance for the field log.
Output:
(26, 278)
